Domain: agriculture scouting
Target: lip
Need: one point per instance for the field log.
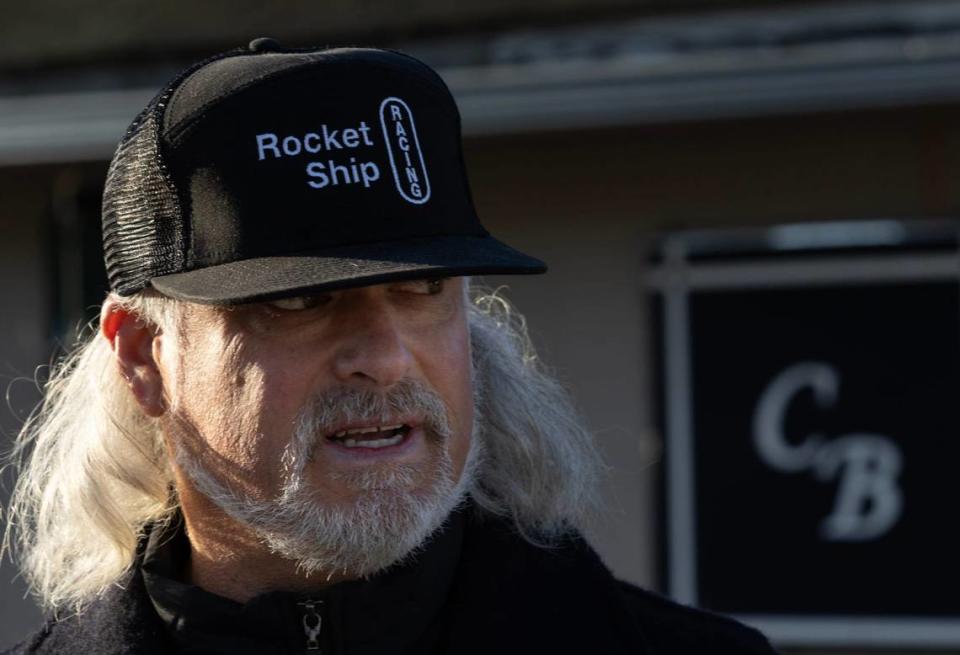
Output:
(412, 422)
(408, 446)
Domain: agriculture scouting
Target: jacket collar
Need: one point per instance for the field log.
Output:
(384, 613)
(506, 596)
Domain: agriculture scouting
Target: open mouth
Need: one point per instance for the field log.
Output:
(371, 437)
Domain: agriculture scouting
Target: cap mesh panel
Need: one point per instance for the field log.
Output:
(142, 222)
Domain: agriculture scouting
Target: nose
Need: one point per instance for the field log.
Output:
(370, 347)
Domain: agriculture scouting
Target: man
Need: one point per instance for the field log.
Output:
(295, 431)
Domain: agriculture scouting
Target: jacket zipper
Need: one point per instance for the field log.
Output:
(312, 623)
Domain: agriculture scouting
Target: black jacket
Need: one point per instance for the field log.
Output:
(504, 596)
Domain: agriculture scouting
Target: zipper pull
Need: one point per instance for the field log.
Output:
(312, 622)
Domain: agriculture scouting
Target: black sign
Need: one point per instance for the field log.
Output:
(812, 414)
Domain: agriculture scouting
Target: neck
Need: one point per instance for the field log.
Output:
(227, 559)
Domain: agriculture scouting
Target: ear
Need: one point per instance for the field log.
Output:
(132, 342)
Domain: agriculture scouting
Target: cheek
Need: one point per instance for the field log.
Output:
(241, 414)
(463, 431)
(219, 402)
(450, 375)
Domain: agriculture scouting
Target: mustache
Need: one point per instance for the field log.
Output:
(407, 399)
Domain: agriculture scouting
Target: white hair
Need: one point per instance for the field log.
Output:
(94, 472)
(395, 510)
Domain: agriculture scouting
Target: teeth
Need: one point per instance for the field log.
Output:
(373, 443)
(386, 428)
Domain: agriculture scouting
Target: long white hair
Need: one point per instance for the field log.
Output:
(93, 470)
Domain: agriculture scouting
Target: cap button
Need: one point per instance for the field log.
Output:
(264, 44)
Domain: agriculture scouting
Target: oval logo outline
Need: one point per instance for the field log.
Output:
(390, 138)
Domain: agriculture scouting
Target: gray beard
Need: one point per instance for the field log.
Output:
(396, 508)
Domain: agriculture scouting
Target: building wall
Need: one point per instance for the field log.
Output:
(69, 33)
(24, 344)
(589, 202)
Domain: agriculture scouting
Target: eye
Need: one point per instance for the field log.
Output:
(430, 287)
(296, 303)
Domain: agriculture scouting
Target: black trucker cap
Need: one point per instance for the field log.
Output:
(266, 172)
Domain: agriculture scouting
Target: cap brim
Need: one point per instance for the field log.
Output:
(265, 278)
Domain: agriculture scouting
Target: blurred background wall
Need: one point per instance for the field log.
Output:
(591, 128)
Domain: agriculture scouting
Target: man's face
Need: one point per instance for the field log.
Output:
(278, 407)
